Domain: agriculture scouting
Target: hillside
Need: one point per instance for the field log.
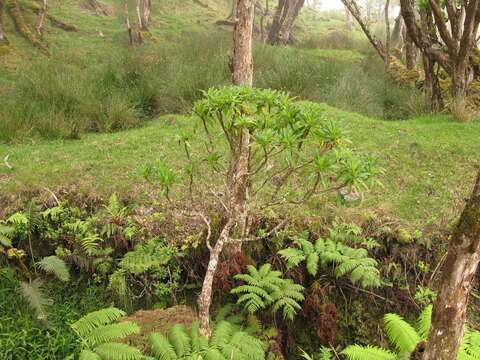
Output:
(100, 149)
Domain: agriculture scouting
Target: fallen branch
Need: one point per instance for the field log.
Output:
(7, 164)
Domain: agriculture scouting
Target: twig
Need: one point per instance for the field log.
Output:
(209, 229)
(53, 195)
(7, 164)
(370, 293)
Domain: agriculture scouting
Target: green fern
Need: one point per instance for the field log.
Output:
(404, 338)
(98, 332)
(401, 334)
(227, 343)
(6, 233)
(357, 352)
(266, 287)
(55, 266)
(34, 294)
(346, 260)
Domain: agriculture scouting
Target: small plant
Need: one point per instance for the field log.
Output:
(99, 335)
(150, 270)
(266, 287)
(345, 259)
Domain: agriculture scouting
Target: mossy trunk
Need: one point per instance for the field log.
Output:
(16, 14)
(450, 308)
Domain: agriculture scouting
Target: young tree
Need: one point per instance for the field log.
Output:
(461, 263)
(134, 31)
(147, 7)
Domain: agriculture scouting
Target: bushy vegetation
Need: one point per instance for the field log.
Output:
(70, 93)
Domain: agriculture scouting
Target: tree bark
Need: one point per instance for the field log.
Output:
(449, 311)
(410, 53)
(276, 23)
(242, 75)
(388, 36)
(354, 9)
(41, 17)
(134, 32)
(138, 11)
(147, 6)
(290, 16)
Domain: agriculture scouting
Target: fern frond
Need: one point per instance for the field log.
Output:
(179, 340)
(112, 332)
(33, 293)
(222, 334)
(161, 347)
(357, 352)
(312, 263)
(400, 333)
(55, 266)
(89, 322)
(423, 322)
(6, 233)
(88, 355)
(292, 256)
(118, 351)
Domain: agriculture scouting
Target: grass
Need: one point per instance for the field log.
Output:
(429, 162)
(22, 336)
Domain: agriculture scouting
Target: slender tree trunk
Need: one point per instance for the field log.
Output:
(291, 15)
(41, 17)
(242, 74)
(138, 11)
(388, 35)
(432, 85)
(205, 298)
(277, 22)
(147, 6)
(134, 32)
(449, 310)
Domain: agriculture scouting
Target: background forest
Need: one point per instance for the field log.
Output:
(218, 179)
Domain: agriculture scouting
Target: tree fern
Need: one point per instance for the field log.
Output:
(55, 266)
(346, 260)
(405, 338)
(400, 333)
(357, 352)
(118, 351)
(227, 343)
(423, 323)
(265, 287)
(98, 332)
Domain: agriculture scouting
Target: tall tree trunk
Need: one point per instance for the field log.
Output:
(388, 36)
(147, 6)
(290, 16)
(242, 74)
(41, 17)
(276, 23)
(138, 11)
(410, 53)
(449, 310)
(134, 32)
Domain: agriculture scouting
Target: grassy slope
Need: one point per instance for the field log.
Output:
(429, 162)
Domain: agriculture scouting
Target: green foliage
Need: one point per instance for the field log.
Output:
(56, 266)
(345, 259)
(404, 339)
(227, 343)
(150, 269)
(99, 333)
(266, 287)
(34, 293)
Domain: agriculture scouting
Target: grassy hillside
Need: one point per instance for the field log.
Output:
(429, 162)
